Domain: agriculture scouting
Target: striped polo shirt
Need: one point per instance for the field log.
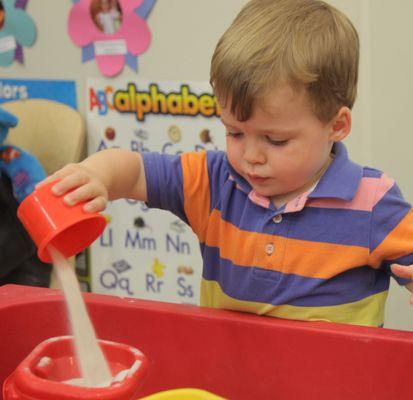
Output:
(324, 256)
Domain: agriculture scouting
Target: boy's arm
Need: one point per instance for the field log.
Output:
(391, 239)
(121, 171)
(107, 175)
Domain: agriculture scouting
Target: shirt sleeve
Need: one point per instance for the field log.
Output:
(164, 182)
(391, 237)
(181, 184)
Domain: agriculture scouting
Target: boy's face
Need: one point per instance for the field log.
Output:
(282, 147)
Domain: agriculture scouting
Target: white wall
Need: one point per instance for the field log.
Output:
(391, 88)
(184, 35)
(382, 136)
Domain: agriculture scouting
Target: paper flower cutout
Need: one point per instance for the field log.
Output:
(18, 31)
(133, 34)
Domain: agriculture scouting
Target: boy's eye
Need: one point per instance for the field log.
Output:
(276, 142)
(234, 134)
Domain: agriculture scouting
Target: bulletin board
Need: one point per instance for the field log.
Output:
(149, 253)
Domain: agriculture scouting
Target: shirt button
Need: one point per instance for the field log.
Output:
(278, 218)
(269, 249)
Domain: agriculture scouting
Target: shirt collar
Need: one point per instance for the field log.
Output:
(342, 178)
(340, 181)
(239, 180)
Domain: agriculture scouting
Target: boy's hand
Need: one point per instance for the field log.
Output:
(406, 272)
(79, 184)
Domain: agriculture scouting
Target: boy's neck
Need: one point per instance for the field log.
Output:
(282, 199)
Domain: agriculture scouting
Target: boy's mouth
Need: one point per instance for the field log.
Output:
(257, 179)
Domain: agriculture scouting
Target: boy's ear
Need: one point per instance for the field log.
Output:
(340, 125)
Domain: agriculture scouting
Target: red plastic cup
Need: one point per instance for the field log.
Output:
(50, 221)
(44, 373)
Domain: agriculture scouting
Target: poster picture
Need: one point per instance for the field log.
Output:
(149, 253)
(113, 32)
(107, 15)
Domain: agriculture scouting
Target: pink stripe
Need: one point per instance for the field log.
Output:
(231, 178)
(298, 203)
(258, 199)
(369, 193)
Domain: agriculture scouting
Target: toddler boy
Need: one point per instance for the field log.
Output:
(288, 225)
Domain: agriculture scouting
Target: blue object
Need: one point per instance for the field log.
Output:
(23, 169)
(62, 91)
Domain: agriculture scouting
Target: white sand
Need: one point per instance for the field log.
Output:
(94, 369)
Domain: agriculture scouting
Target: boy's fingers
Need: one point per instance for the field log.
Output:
(45, 181)
(96, 205)
(58, 175)
(69, 182)
(82, 193)
(402, 271)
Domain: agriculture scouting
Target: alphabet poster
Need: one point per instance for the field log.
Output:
(149, 253)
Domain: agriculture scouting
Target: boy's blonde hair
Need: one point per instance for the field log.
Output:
(305, 43)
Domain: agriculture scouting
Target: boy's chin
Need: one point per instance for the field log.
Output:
(270, 193)
(265, 193)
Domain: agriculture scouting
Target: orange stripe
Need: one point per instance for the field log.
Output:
(290, 256)
(237, 245)
(398, 242)
(196, 191)
(322, 260)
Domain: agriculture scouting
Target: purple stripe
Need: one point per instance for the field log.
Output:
(406, 260)
(329, 225)
(164, 181)
(272, 287)
(219, 176)
(227, 170)
(371, 173)
(387, 214)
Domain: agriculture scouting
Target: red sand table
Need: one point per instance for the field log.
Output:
(234, 355)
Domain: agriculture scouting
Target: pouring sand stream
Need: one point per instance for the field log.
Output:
(93, 366)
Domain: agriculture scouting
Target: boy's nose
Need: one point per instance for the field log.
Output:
(253, 154)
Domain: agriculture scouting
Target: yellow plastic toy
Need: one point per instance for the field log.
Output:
(183, 394)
